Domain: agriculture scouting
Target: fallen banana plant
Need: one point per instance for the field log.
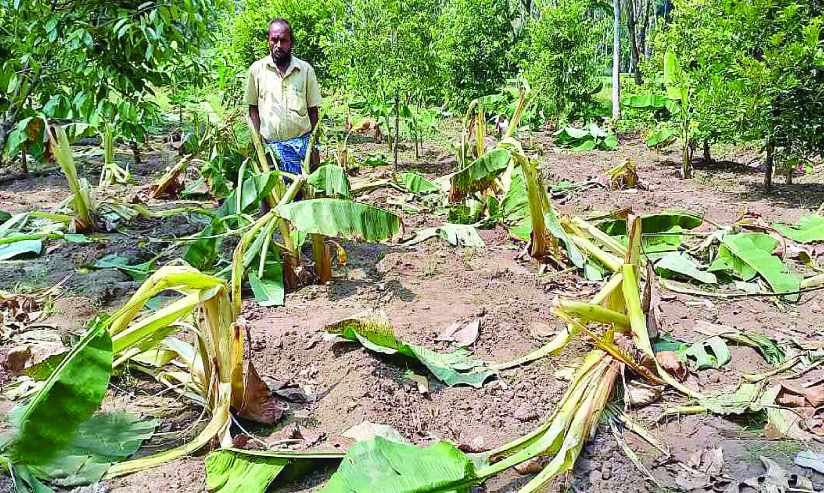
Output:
(374, 331)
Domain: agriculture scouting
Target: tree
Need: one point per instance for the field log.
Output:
(616, 61)
(473, 41)
(560, 60)
(756, 72)
(387, 47)
(92, 61)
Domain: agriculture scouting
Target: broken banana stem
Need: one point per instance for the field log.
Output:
(609, 261)
(594, 313)
(599, 235)
(813, 282)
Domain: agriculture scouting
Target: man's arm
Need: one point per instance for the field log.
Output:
(314, 162)
(313, 117)
(254, 114)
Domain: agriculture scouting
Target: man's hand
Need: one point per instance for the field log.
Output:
(255, 116)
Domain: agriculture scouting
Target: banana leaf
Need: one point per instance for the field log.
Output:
(662, 138)
(808, 229)
(454, 234)
(99, 441)
(22, 247)
(681, 265)
(70, 395)
(479, 175)
(748, 247)
(383, 465)
(374, 331)
(330, 179)
(335, 217)
(647, 101)
(246, 471)
(416, 183)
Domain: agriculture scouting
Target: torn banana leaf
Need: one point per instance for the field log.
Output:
(480, 174)
(374, 330)
(383, 465)
(455, 234)
(746, 399)
(707, 353)
(666, 227)
(808, 229)
(731, 264)
(680, 265)
(746, 247)
(335, 217)
(331, 180)
(70, 395)
(100, 441)
(416, 183)
(22, 247)
(246, 471)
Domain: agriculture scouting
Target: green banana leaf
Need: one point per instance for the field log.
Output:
(99, 441)
(808, 229)
(202, 253)
(661, 138)
(246, 471)
(21, 247)
(646, 101)
(335, 217)
(479, 175)
(675, 265)
(665, 222)
(230, 472)
(381, 465)
(70, 395)
(416, 183)
(331, 179)
(374, 331)
(707, 353)
(748, 248)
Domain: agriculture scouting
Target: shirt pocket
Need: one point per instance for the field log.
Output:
(296, 100)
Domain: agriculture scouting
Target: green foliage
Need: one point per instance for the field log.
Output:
(808, 229)
(70, 395)
(93, 61)
(756, 70)
(473, 43)
(560, 59)
(400, 468)
(317, 27)
(336, 217)
(586, 139)
(388, 46)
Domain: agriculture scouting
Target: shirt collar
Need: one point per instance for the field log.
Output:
(292, 65)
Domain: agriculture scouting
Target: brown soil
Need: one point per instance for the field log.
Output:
(424, 289)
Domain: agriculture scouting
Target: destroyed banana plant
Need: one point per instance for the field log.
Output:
(111, 172)
(217, 376)
(85, 212)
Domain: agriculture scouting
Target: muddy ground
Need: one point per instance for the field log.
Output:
(424, 289)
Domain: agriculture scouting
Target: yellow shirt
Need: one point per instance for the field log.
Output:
(283, 101)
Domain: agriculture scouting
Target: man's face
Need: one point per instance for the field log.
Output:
(280, 42)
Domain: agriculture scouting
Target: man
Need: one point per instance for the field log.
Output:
(283, 97)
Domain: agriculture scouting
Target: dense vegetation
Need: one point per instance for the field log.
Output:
(753, 70)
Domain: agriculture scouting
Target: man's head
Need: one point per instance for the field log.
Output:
(280, 39)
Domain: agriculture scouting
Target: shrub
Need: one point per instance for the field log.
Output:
(473, 43)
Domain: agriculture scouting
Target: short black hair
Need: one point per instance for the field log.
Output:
(283, 21)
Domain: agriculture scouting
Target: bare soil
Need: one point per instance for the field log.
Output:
(424, 289)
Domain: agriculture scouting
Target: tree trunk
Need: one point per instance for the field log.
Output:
(633, 42)
(768, 165)
(707, 156)
(616, 63)
(643, 46)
